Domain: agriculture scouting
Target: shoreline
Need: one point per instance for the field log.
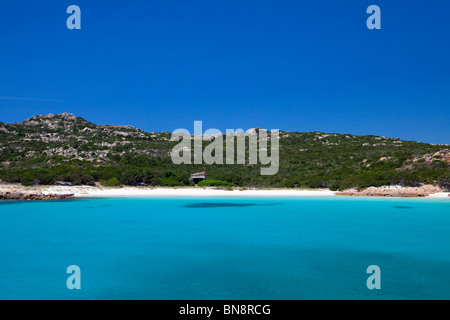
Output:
(94, 192)
(65, 192)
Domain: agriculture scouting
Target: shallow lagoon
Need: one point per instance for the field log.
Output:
(226, 248)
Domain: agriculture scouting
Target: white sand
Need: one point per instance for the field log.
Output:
(188, 192)
(88, 191)
(440, 195)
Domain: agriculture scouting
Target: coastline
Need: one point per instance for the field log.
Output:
(65, 192)
(88, 192)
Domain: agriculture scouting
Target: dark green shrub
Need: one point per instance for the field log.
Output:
(113, 182)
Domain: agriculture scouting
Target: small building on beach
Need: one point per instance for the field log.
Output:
(197, 177)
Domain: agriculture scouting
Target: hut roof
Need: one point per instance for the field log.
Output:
(199, 175)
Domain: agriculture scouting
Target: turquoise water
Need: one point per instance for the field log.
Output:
(225, 248)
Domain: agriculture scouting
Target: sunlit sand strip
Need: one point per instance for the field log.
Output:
(440, 195)
(189, 192)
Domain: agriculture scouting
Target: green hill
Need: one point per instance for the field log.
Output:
(63, 148)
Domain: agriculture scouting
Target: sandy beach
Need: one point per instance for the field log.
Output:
(188, 192)
(99, 191)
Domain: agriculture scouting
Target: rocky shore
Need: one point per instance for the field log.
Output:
(33, 196)
(393, 191)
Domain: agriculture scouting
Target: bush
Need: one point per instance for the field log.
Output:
(444, 181)
(170, 182)
(335, 186)
(27, 179)
(113, 182)
(288, 183)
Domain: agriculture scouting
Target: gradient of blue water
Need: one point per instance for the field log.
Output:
(225, 248)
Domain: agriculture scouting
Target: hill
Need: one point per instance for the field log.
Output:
(65, 149)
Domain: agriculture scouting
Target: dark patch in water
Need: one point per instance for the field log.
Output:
(224, 205)
(402, 207)
(100, 206)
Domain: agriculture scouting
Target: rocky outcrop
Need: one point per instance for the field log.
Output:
(422, 191)
(68, 137)
(33, 196)
(442, 155)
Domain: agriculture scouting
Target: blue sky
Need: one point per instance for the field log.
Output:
(289, 65)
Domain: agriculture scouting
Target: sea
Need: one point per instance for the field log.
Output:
(271, 248)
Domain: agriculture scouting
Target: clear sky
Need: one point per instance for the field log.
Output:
(298, 65)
